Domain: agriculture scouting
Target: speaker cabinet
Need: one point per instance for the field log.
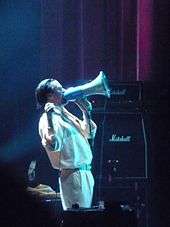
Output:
(120, 163)
(120, 146)
(111, 216)
(131, 193)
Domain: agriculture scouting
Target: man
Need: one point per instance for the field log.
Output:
(65, 139)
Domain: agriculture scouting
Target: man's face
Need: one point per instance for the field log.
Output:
(57, 96)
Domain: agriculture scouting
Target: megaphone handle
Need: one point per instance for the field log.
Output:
(91, 140)
(86, 107)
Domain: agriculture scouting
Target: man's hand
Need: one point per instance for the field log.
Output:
(49, 106)
(84, 104)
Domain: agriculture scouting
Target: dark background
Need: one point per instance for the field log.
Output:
(72, 41)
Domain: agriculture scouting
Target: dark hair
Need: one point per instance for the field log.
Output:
(42, 90)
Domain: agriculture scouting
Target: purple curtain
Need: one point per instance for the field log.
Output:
(144, 39)
(127, 39)
(80, 38)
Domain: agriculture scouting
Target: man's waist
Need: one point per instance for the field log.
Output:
(81, 167)
(65, 172)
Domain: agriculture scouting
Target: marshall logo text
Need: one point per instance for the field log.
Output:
(118, 92)
(120, 139)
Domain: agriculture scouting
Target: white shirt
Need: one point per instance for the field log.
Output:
(71, 138)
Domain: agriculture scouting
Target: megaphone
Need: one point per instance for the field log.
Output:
(98, 86)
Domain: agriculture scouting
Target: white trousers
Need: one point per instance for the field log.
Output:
(77, 188)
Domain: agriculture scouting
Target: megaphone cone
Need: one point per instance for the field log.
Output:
(98, 86)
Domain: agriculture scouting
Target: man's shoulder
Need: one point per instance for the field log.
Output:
(43, 118)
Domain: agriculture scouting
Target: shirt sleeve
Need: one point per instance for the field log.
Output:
(89, 128)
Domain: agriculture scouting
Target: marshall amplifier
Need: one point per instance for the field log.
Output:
(124, 97)
(120, 146)
(131, 193)
(114, 215)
